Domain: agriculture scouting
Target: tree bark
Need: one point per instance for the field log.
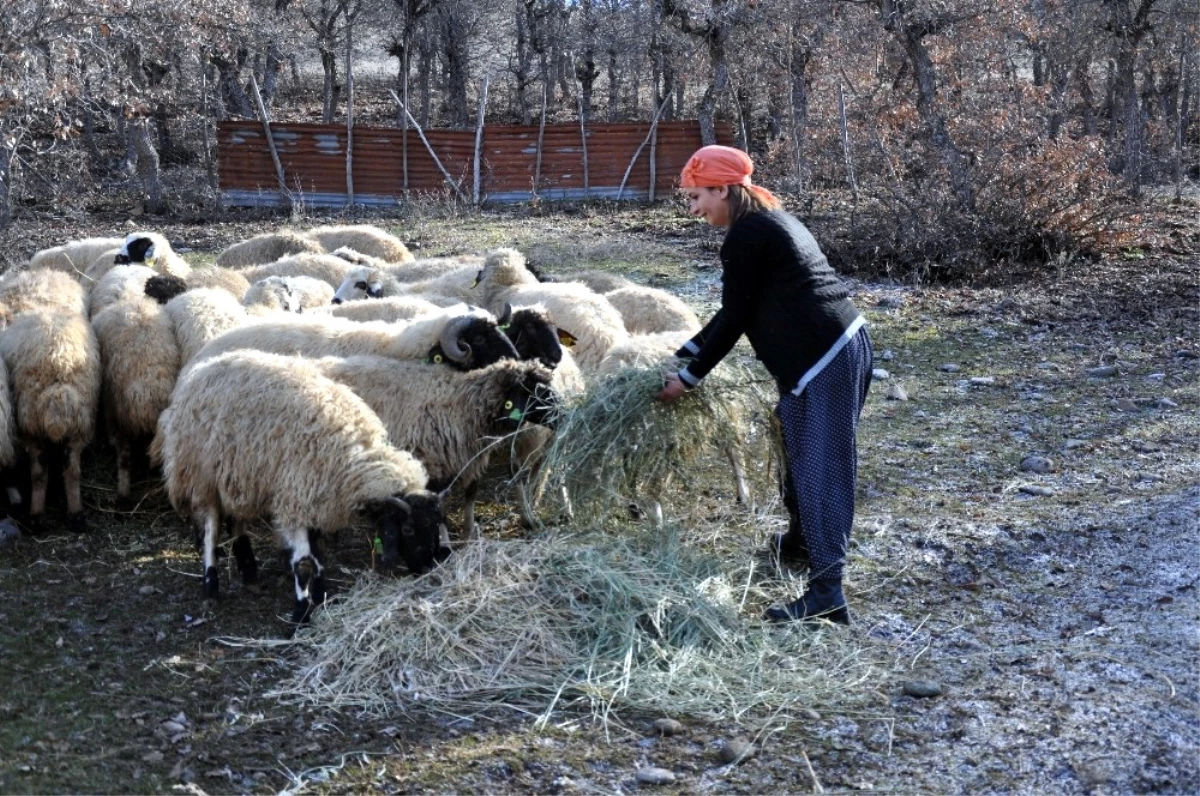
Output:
(147, 166)
(6, 158)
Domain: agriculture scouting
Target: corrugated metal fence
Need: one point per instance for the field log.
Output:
(313, 159)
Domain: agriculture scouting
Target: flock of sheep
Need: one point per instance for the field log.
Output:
(307, 378)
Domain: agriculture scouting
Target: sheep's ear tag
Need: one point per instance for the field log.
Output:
(514, 412)
(377, 545)
(435, 359)
(566, 338)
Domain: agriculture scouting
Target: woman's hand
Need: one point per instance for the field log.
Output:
(672, 389)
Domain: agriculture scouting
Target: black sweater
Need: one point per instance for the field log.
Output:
(779, 290)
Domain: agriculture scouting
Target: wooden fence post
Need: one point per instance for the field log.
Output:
(262, 114)
(649, 135)
(479, 138)
(428, 148)
(349, 121)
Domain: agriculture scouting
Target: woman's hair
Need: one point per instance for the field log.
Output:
(747, 199)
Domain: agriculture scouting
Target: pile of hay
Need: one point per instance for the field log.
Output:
(619, 445)
(630, 625)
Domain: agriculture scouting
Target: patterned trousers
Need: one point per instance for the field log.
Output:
(819, 429)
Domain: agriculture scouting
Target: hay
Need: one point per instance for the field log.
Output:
(624, 625)
(618, 444)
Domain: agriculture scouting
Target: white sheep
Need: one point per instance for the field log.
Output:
(650, 310)
(144, 248)
(289, 293)
(393, 309)
(74, 256)
(363, 238)
(451, 420)
(141, 362)
(266, 248)
(227, 279)
(251, 435)
(325, 267)
(121, 282)
(599, 281)
(41, 288)
(587, 317)
(54, 365)
(414, 270)
(468, 336)
(200, 316)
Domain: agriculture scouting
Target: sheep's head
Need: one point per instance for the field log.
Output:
(138, 248)
(410, 527)
(533, 335)
(526, 396)
(362, 282)
(503, 268)
(164, 287)
(473, 341)
(273, 292)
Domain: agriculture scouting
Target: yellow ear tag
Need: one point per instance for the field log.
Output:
(567, 339)
(437, 359)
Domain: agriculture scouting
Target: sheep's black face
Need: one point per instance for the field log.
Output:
(487, 343)
(164, 287)
(529, 400)
(535, 338)
(410, 527)
(137, 250)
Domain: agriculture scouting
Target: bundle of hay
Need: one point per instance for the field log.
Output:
(618, 444)
(624, 626)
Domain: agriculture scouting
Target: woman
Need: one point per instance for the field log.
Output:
(779, 290)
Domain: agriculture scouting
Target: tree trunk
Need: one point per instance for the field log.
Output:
(456, 58)
(523, 69)
(6, 159)
(233, 95)
(330, 88)
(271, 71)
(426, 86)
(614, 85)
(147, 166)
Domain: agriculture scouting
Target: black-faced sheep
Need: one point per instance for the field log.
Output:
(449, 419)
(364, 238)
(140, 357)
(53, 362)
(266, 248)
(251, 435)
(587, 317)
(468, 337)
(145, 248)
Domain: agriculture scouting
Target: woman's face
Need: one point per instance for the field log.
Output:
(711, 204)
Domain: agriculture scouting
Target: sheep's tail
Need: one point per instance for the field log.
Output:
(160, 436)
(61, 406)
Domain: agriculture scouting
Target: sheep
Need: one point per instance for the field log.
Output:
(415, 270)
(235, 282)
(266, 248)
(74, 256)
(164, 287)
(305, 293)
(601, 282)
(367, 282)
(118, 283)
(251, 435)
(146, 248)
(363, 238)
(325, 267)
(448, 419)
(395, 308)
(8, 426)
(200, 316)
(587, 317)
(41, 288)
(140, 359)
(54, 364)
(469, 338)
(649, 310)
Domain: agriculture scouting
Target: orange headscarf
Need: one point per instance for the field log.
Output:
(714, 166)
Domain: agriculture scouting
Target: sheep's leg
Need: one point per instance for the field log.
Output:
(212, 531)
(14, 496)
(739, 473)
(124, 457)
(243, 554)
(39, 479)
(73, 481)
(470, 529)
(309, 575)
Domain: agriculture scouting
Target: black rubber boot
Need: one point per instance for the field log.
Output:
(823, 600)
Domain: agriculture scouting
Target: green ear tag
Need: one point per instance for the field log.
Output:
(515, 414)
(378, 546)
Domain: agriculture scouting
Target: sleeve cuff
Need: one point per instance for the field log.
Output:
(688, 379)
(690, 347)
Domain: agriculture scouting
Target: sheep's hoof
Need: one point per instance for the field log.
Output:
(211, 584)
(77, 523)
(243, 554)
(301, 614)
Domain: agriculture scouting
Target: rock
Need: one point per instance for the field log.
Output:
(146, 590)
(1126, 405)
(1036, 491)
(1072, 444)
(1167, 403)
(1037, 464)
(1156, 377)
(983, 381)
(921, 688)
(949, 367)
(1092, 773)
(1103, 372)
(651, 775)
(896, 393)
(891, 302)
(172, 727)
(879, 374)
(736, 750)
(666, 727)
(887, 356)
(810, 714)
(1184, 353)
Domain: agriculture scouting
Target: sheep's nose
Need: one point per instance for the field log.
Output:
(337, 300)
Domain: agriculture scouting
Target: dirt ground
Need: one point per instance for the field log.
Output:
(1040, 631)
